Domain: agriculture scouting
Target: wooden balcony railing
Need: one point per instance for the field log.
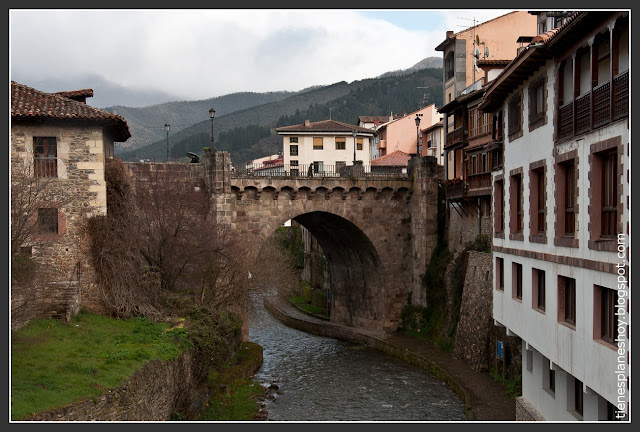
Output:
(479, 182)
(598, 108)
(45, 167)
(455, 189)
(456, 136)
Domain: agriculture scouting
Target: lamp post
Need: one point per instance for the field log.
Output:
(355, 134)
(166, 127)
(212, 114)
(418, 149)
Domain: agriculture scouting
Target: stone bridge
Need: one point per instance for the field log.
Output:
(377, 233)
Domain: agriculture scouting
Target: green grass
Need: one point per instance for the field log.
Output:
(54, 364)
(239, 404)
(302, 304)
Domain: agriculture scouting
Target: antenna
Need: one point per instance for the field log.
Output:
(330, 109)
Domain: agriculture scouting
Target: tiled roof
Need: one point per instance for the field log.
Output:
(29, 103)
(325, 126)
(372, 119)
(397, 158)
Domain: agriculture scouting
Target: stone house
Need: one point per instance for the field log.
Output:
(61, 144)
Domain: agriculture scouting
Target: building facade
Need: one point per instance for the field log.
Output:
(325, 147)
(493, 39)
(59, 146)
(561, 217)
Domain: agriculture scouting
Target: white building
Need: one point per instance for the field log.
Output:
(561, 217)
(328, 147)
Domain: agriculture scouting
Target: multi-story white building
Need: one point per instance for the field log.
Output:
(561, 217)
(325, 147)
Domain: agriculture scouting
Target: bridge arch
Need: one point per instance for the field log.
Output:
(362, 229)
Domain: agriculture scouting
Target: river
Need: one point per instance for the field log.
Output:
(316, 378)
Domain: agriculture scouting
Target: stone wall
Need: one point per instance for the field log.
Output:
(153, 393)
(424, 221)
(472, 334)
(526, 412)
(466, 223)
(78, 192)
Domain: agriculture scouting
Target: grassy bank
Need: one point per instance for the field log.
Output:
(235, 396)
(54, 364)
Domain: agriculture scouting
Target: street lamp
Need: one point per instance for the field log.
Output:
(355, 134)
(166, 127)
(417, 119)
(212, 114)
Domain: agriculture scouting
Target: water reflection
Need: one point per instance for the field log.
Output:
(323, 379)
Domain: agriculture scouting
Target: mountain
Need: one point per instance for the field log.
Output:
(426, 63)
(147, 123)
(106, 93)
(246, 133)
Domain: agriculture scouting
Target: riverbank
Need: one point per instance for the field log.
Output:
(484, 398)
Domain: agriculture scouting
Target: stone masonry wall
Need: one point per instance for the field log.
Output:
(472, 334)
(153, 393)
(424, 221)
(464, 228)
(78, 192)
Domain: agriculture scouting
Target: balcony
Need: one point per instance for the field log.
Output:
(455, 188)
(479, 184)
(606, 103)
(457, 136)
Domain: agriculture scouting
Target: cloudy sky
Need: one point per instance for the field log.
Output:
(201, 53)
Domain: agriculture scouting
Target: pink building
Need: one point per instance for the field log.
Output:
(402, 133)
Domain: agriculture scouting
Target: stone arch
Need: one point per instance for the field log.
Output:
(356, 278)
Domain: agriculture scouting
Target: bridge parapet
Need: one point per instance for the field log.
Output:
(295, 189)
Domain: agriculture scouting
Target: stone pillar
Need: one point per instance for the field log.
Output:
(427, 175)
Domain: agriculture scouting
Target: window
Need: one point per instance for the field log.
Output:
(609, 194)
(578, 395)
(538, 284)
(293, 150)
(569, 198)
(498, 207)
(317, 143)
(604, 305)
(499, 274)
(341, 143)
(293, 140)
(537, 103)
(567, 300)
(548, 376)
(294, 168)
(48, 220)
(515, 117)
(449, 66)
(45, 156)
(359, 143)
(537, 200)
(530, 360)
(517, 281)
(515, 193)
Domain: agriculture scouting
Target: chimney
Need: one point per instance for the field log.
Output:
(449, 33)
(307, 122)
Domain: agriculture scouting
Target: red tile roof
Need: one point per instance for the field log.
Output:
(397, 158)
(326, 126)
(371, 119)
(29, 103)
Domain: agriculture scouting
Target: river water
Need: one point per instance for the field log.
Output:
(316, 378)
